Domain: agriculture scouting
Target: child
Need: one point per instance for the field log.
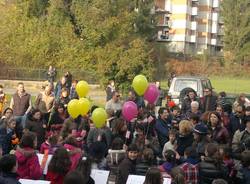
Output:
(84, 167)
(51, 145)
(170, 159)
(128, 165)
(3, 99)
(75, 153)
(97, 152)
(28, 164)
(171, 144)
(59, 166)
(8, 168)
(147, 161)
(74, 177)
(153, 176)
(7, 133)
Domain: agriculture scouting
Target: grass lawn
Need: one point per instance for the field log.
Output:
(227, 84)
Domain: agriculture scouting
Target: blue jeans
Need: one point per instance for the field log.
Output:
(20, 120)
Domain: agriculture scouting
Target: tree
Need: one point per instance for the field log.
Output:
(236, 16)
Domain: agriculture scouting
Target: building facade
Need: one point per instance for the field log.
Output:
(190, 26)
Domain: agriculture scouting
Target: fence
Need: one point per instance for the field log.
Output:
(41, 74)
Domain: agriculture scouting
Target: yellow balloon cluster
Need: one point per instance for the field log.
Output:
(78, 107)
(140, 84)
(82, 89)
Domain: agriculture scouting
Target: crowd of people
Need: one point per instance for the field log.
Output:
(202, 142)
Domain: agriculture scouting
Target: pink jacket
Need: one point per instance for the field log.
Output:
(75, 155)
(28, 164)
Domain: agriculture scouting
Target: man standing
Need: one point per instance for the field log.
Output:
(59, 86)
(21, 104)
(110, 89)
(114, 104)
(210, 101)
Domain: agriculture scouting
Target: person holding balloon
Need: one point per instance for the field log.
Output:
(114, 104)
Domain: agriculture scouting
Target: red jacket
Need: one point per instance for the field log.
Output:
(75, 155)
(55, 178)
(28, 164)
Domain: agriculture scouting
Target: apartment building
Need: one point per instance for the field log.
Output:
(190, 26)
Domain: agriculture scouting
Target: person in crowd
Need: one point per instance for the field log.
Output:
(35, 123)
(169, 164)
(21, 105)
(75, 177)
(84, 167)
(242, 100)
(28, 164)
(121, 131)
(51, 75)
(190, 167)
(162, 126)
(176, 117)
(57, 118)
(77, 127)
(97, 152)
(219, 134)
(158, 104)
(170, 78)
(114, 104)
(241, 139)
(172, 143)
(64, 97)
(210, 101)
(110, 89)
(177, 176)
(185, 137)
(186, 105)
(147, 161)
(70, 144)
(211, 167)
(7, 114)
(7, 134)
(139, 101)
(8, 170)
(59, 166)
(3, 100)
(68, 76)
(224, 116)
(153, 176)
(59, 86)
(139, 137)
(245, 159)
(194, 119)
(194, 110)
(72, 93)
(50, 145)
(219, 181)
(236, 120)
(200, 132)
(44, 101)
(221, 100)
(128, 165)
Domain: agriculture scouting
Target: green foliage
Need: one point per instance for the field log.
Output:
(108, 38)
(236, 15)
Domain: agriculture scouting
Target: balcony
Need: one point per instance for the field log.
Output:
(193, 38)
(216, 3)
(161, 11)
(214, 28)
(194, 11)
(215, 17)
(213, 41)
(220, 43)
(193, 25)
(221, 32)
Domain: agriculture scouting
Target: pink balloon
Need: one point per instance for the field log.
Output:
(151, 94)
(129, 110)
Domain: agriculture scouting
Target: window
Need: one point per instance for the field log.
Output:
(180, 84)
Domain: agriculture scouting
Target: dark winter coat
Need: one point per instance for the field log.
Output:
(125, 168)
(9, 178)
(183, 142)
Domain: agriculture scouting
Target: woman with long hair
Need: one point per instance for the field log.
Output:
(153, 176)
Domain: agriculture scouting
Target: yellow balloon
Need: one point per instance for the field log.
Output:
(140, 84)
(82, 88)
(84, 106)
(99, 117)
(73, 108)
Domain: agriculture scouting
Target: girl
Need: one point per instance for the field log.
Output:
(7, 133)
(84, 167)
(35, 123)
(75, 153)
(51, 145)
(153, 176)
(28, 164)
(59, 166)
(169, 164)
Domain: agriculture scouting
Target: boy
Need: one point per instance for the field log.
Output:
(172, 143)
(8, 168)
(128, 165)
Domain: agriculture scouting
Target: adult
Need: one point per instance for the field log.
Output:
(160, 98)
(44, 101)
(135, 98)
(114, 104)
(7, 114)
(219, 134)
(242, 100)
(3, 99)
(63, 98)
(224, 116)
(185, 137)
(68, 76)
(153, 176)
(59, 86)
(210, 101)
(72, 93)
(186, 105)
(120, 130)
(35, 123)
(162, 126)
(236, 120)
(110, 89)
(51, 75)
(194, 110)
(21, 105)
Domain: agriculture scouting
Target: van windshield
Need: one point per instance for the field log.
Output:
(180, 84)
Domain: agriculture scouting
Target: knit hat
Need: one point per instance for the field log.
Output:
(200, 128)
